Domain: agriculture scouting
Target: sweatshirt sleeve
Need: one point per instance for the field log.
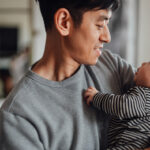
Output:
(126, 106)
(16, 133)
(124, 72)
(117, 71)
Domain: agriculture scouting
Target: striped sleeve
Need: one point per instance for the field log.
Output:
(129, 105)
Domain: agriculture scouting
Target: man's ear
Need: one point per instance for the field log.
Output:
(63, 21)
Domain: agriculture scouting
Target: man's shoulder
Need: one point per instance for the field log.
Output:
(112, 61)
(110, 58)
(19, 96)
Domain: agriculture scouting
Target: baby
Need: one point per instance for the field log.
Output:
(130, 123)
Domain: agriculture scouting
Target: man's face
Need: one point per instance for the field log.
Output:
(86, 41)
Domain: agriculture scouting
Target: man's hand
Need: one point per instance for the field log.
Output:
(142, 76)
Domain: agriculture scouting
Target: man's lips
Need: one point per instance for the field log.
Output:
(99, 47)
(98, 51)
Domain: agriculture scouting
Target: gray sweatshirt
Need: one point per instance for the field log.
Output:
(47, 115)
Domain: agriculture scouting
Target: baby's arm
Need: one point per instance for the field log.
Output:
(128, 105)
(142, 76)
(89, 94)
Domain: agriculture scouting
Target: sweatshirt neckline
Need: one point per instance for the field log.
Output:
(76, 77)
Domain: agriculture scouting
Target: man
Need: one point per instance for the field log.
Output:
(46, 110)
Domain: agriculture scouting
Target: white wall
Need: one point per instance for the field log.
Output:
(39, 35)
(21, 4)
(144, 32)
(132, 32)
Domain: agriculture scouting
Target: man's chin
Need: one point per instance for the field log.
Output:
(92, 63)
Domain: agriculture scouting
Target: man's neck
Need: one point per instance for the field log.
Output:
(55, 64)
(54, 72)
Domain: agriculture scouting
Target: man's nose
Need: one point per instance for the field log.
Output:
(105, 35)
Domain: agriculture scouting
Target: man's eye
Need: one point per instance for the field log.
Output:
(100, 26)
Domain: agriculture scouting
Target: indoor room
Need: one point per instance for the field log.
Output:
(74, 75)
(22, 37)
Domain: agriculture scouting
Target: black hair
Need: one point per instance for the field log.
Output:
(75, 7)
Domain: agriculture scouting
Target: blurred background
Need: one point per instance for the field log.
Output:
(22, 37)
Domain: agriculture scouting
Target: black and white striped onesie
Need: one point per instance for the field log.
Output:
(130, 125)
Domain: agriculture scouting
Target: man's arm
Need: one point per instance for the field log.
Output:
(16, 133)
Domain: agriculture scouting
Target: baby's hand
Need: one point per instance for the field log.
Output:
(89, 94)
(142, 76)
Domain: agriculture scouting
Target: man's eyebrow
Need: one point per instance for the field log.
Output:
(102, 18)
